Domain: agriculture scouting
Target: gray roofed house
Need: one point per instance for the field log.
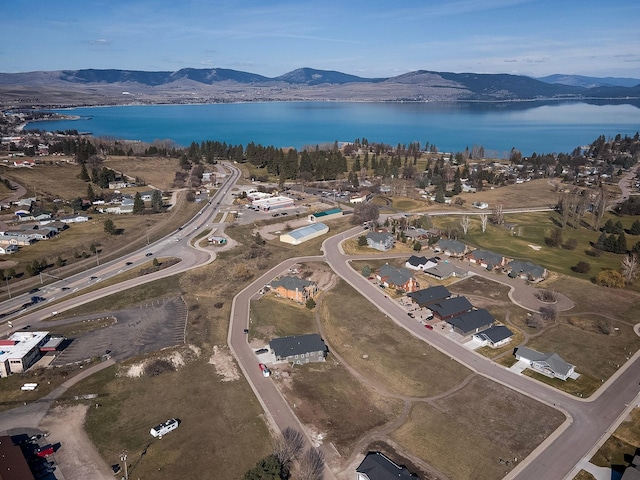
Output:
(486, 259)
(453, 248)
(495, 336)
(299, 349)
(382, 241)
(526, 270)
(420, 263)
(450, 307)
(399, 278)
(376, 466)
(632, 472)
(294, 288)
(549, 364)
(444, 270)
(471, 322)
(429, 295)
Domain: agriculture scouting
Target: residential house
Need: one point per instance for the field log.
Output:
(377, 466)
(426, 296)
(14, 238)
(76, 218)
(418, 234)
(495, 336)
(118, 184)
(8, 249)
(294, 288)
(526, 270)
(486, 259)
(549, 364)
(382, 241)
(445, 270)
(471, 322)
(360, 197)
(398, 278)
(126, 206)
(299, 349)
(420, 263)
(632, 472)
(450, 307)
(451, 248)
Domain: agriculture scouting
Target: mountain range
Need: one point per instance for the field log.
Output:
(191, 85)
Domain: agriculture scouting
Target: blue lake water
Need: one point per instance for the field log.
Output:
(528, 126)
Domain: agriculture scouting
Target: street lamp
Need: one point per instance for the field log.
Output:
(123, 459)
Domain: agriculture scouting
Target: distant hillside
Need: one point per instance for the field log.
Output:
(192, 85)
(590, 82)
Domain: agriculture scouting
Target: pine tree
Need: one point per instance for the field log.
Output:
(84, 175)
(156, 201)
(138, 203)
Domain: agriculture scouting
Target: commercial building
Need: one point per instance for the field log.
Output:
(303, 234)
(273, 203)
(20, 351)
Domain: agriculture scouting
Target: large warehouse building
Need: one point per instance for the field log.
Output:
(20, 351)
(273, 203)
(300, 235)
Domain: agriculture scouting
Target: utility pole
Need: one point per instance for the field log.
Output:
(123, 459)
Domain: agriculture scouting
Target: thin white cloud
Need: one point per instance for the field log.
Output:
(100, 41)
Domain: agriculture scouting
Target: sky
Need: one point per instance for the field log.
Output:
(368, 38)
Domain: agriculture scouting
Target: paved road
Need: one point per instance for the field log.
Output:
(165, 247)
(587, 419)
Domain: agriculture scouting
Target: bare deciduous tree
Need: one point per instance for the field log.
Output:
(464, 223)
(534, 321)
(312, 465)
(289, 445)
(549, 312)
(497, 215)
(483, 219)
(599, 207)
(605, 325)
(630, 267)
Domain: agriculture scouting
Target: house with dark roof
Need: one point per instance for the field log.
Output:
(299, 349)
(451, 248)
(549, 364)
(426, 296)
(420, 263)
(294, 288)
(526, 270)
(377, 466)
(382, 241)
(632, 472)
(486, 259)
(494, 336)
(450, 307)
(398, 278)
(471, 322)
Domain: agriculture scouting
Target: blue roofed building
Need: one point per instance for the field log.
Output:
(303, 234)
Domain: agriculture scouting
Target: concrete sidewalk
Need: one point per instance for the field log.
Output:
(599, 473)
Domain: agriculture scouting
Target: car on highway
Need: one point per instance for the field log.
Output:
(34, 290)
(26, 327)
(284, 213)
(428, 327)
(128, 263)
(93, 277)
(148, 254)
(64, 289)
(275, 215)
(37, 299)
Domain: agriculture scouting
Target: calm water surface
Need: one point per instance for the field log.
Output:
(528, 126)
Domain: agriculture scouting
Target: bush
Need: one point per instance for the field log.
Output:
(570, 244)
(610, 278)
(581, 267)
(158, 367)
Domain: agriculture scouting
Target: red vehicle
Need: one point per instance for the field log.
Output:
(44, 451)
(264, 369)
(428, 327)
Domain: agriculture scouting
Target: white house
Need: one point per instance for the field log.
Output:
(549, 364)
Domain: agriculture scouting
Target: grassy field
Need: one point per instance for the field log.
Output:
(476, 425)
(383, 352)
(221, 424)
(584, 475)
(156, 171)
(278, 317)
(622, 445)
(50, 180)
(328, 398)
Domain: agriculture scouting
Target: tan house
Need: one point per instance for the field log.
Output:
(294, 288)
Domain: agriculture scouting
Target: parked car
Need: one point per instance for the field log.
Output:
(428, 327)
(149, 254)
(34, 290)
(261, 351)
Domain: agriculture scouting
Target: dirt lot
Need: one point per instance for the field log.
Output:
(77, 457)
